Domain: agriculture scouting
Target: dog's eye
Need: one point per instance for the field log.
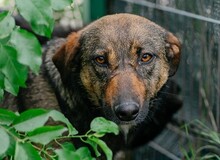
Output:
(100, 60)
(147, 57)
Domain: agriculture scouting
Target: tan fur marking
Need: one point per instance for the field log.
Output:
(111, 90)
(129, 82)
(112, 58)
(162, 72)
(92, 88)
(138, 87)
(162, 80)
(175, 49)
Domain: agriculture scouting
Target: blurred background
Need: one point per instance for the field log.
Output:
(197, 24)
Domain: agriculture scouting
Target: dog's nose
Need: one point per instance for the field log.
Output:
(127, 111)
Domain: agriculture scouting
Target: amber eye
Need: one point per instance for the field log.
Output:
(147, 57)
(100, 60)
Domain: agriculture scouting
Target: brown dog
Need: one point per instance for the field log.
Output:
(117, 67)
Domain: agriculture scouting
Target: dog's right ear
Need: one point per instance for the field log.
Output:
(173, 52)
(64, 56)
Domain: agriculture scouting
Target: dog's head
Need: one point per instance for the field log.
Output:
(123, 61)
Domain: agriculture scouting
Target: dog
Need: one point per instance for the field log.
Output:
(118, 67)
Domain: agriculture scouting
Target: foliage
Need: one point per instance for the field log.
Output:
(29, 136)
(209, 142)
(20, 49)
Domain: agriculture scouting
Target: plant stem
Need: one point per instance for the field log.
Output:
(12, 135)
(44, 152)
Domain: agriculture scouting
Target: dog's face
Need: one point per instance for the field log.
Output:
(124, 61)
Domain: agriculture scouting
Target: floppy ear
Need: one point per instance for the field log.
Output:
(173, 52)
(64, 56)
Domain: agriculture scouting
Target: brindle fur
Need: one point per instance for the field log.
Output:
(71, 81)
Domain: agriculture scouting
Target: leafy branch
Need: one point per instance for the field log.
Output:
(29, 135)
(20, 49)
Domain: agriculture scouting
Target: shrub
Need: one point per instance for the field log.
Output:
(29, 136)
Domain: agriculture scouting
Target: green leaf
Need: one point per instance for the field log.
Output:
(5, 141)
(13, 138)
(68, 146)
(7, 24)
(25, 151)
(67, 154)
(84, 153)
(2, 80)
(94, 146)
(59, 5)
(46, 134)
(2, 86)
(6, 117)
(5, 39)
(11, 88)
(11, 68)
(101, 125)
(1, 94)
(30, 120)
(30, 54)
(58, 116)
(38, 14)
(103, 146)
(34, 118)
(98, 135)
(210, 156)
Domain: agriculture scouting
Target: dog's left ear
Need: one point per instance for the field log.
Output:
(65, 55)
(173, 52)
